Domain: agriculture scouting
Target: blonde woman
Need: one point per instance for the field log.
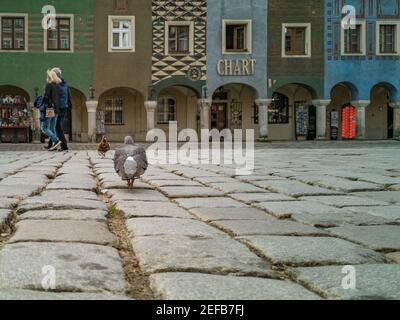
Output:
(49, 119)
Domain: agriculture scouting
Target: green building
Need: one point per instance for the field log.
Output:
(27, 50)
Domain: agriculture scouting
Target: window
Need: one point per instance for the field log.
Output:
(122, 34)
(13, 33)
(278, 111)
(60, 37)
(114, 109)
(166, 110)
(237, 36)
(178, 39)
(296, 40)
(387, 33)
(353, 40)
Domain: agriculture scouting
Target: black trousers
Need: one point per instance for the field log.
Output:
(60, 130)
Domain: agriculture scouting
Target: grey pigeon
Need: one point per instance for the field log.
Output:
(130, 161)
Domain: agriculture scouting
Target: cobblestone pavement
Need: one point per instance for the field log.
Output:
(200, 232)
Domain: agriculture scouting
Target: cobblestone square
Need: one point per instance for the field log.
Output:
(199, 231)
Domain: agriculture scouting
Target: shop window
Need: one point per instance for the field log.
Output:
(296, 40)
(166, 110)
(353, 40)
(121, 34)
(278, 111)
(387, 38)
(59, 38)
(114, 111)
(13, 33)
(179, 38)
(237, 36)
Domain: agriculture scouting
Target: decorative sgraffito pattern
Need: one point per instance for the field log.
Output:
(165, 66)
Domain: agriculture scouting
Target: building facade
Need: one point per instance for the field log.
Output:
(289, 70)
(27, 51)
(362, 65)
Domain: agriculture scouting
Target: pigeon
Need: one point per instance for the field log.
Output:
(130, 161)
(103, 147)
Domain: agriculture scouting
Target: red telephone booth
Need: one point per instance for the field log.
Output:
(349, 122)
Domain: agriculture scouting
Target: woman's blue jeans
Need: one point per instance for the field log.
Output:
(48, 127)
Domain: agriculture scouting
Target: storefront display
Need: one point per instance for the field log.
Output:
(334, 121)
(15, 120)
(349, 122)
(305, 122)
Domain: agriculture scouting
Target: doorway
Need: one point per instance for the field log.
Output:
(219, 115)
(390, 127)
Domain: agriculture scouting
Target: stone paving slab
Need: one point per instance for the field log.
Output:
(175, 183)
(215, 214)
(30, 295)
(92, 232)
(386, 196)
(177, 253)
(337, 183)
(214, 179)
(8, 203)
(141, 227)
(79, 267)
(309, 251)
(257, 177)
(71, 194)
(162, 176)
(293, 188)
(133, 209)
(136, 195)
(373, 281)
(342, 201)
(394, 256)
(81, 215)
(44, 203)
(78, 184)
(19, 191)
(285, 209)
(189, 192)
(250, 198)
(236, 187)
(374, 237)
(387, 212)
(268, 226)
(196, 286)
(190, 203)
(328, 220)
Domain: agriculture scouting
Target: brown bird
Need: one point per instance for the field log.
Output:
(103, 147)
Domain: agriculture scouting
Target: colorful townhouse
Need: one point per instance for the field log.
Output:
(362, 66)
(27, 51)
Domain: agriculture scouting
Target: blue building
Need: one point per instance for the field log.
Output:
(363, 64)
(235, 95)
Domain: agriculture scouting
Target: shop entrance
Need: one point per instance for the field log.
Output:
(219, 115)
(390, 123)
(306, 121)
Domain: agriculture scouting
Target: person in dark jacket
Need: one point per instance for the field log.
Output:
(51, 96)
(63, 102)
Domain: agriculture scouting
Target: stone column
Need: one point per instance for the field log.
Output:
(205, 113)
(361, 105)
(396, 120)
(263, 105)
(35, 124)
(321, 117)
(151, 107)
(91, 107)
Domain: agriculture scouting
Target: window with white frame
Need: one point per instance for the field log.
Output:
(179, 37)
(121, 33)
(353, 40)
(13, 32)
(296, 40)
(237, 36)
(166, 110)
(114, 111)
(387, 35)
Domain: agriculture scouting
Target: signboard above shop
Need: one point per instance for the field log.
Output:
(238, 67)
